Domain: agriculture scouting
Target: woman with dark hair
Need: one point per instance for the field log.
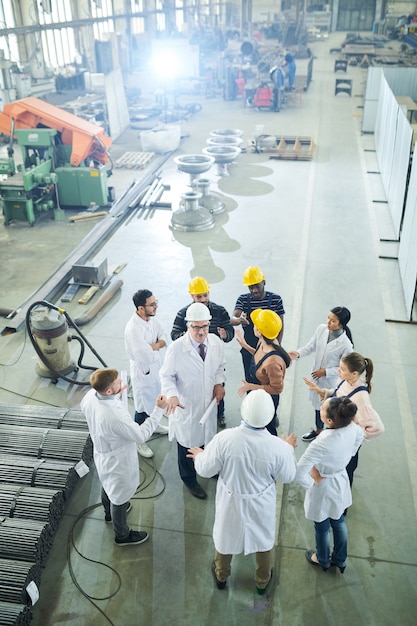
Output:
(269, 360)
(355, 376)
(329, 343)
(321, 470)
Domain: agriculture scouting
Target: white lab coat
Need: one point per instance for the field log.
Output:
(145, 363)
(115, 437)
(330, 452)
(326, 355)
(248, 462)
(184, 374)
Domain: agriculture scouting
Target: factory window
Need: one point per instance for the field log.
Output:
(58, 45)
(102, 9)
(137, 24)
(8, 44)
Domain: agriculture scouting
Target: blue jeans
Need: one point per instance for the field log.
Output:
(340, 535)
(319, 423)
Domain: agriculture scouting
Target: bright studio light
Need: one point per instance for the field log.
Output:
(165, 64)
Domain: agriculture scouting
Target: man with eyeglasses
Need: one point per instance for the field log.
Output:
(144, 343)
(192, 379)
(220, 324)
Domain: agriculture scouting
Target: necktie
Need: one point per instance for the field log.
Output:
(202, 349)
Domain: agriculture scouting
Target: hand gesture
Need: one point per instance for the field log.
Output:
(291, 439)
(312, 385)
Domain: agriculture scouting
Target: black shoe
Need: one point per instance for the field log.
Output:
(107, 518)
(263, 590)
(220, 584)
(341, 567)
(134, 537)
(198, 491)
(310, 436)
(309, 557)
(221, 421)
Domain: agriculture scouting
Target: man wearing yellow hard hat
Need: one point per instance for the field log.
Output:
(220, 323)
(257, 298)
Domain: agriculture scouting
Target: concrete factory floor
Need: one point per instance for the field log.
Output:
(314, 230)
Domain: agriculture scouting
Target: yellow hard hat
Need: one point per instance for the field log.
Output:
(198, 285)
(252, 276)
(267, 322)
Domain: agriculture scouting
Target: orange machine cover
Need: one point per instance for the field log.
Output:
(87, 139)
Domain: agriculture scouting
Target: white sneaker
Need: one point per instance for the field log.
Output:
(145, 451)
(162, 430)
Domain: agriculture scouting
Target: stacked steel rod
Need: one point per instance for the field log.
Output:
(40, 416)
(46, 443)
(14, 614)
(15, 576)
(39, 450)
(43, 505)
(25, 470)
(25, 540)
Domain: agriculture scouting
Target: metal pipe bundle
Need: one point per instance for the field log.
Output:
(44, 417)
(43, 473)
(15, 576)
(46, 443)
(24, 540)
(43, 505)
(14, 614)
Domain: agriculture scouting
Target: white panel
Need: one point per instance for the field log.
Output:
(407, 253)
(375, 75)
(399, 169)
(385, 130)
(402, 80)
(117, 109)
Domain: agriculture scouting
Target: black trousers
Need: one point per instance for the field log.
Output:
(186, 467)
(351, 466)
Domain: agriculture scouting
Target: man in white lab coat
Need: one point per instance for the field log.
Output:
(192, 379)
(115, 436)
(248, 460)
(145, 340)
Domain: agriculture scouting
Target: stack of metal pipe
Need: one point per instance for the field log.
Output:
(44, 417)
(25, 540)
(14, 614)
(25, 470)
(39, 450)
(43, 505)
(15, 576)
(46, 443)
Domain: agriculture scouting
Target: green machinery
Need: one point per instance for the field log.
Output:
(46, 180)
(63, 161)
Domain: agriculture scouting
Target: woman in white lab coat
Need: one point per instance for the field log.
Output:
(355, 372)
(248, 460)
(321, 470)
(329, 343)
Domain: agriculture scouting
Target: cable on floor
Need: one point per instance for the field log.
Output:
(144, 484)
(20, 355)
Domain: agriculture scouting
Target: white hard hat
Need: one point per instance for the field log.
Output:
(197, 312)
(257, 408)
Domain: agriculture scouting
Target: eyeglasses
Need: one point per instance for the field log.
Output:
(153, 304)
(198, 328)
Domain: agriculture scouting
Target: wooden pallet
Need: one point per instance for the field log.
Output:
(293, 148)
(135, 160)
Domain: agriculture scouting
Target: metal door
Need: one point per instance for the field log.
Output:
(356, 15)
